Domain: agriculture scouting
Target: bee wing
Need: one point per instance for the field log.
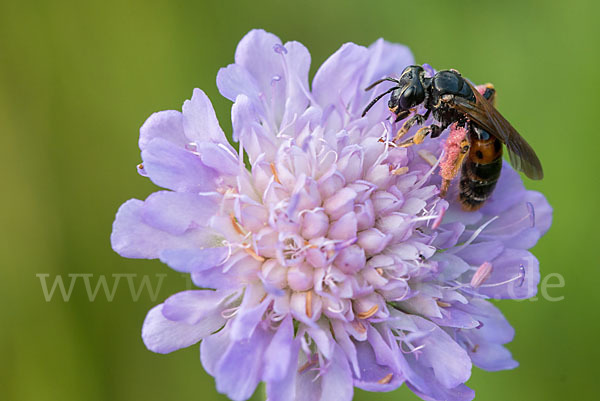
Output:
(522, 156)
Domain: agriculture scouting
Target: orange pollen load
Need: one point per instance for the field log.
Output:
(453, 150)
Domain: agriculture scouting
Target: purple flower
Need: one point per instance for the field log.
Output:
(331, 262)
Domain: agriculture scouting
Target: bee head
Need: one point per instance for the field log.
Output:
(411, 90)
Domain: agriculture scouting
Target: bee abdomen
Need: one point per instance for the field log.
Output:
(480, 172)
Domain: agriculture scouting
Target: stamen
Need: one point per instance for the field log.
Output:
(308, 364)
(400, 171)
(308, 307)
(141, 171)
(482, 274)
(236, 226)
(278, 48)
(413, 350)
(520, 276)
(379, 270)
(275, 79)
(192, 146)
(254, 255)
(531, 213)
(386, 379)
(427, 156)
(274, 171)
(230, 312)
(339, 309)
(358, 326)
(475, 348)
(369, 313)
(475, 234)
(443, 304)
(437, 222)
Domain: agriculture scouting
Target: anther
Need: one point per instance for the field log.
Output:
(254, 255)
(386, 379)
(520, 276)
(308, 308)
(192, 146)
(358, 326)
(483, 272)
(307, 365)
(279, 49)
(274, 171)
(141, 171)
(369, 313)
(438, 221)
(400, 171)
(531, 213)
(236, 226)
(443, 304)
(427, 156)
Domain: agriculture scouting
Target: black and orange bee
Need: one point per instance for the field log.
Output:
(453, 100)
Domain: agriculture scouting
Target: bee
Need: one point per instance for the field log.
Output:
(452, 100)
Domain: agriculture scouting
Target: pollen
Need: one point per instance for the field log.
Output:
(369, 313)
(254, 255)
(386, 379)
(236, 226)
(400, 170)
(455, 150)
(308, 306)
(443, 304)
(274, 171)
(427, 156)
(307, 365)
(358, 326)
(482, 274)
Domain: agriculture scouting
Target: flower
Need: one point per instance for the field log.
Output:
(330, 262)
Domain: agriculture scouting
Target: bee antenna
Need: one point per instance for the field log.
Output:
(377, 99)
(374, 84)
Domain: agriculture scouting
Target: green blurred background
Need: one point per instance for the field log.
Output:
(78, 78)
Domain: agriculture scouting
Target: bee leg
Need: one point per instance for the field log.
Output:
(451, 170)
(402, 115)
(408, 124)
(417, 138)
(490, 93)
(437, 130)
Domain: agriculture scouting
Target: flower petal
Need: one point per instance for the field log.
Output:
(278, 355)
(175, 168)
(515, 275)
(240, 369)
(177, 212)
(200, 121)
(162, 335)
(133, 236)
(194, 305)
(194, 260)
(337, 80)
(167, 125)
